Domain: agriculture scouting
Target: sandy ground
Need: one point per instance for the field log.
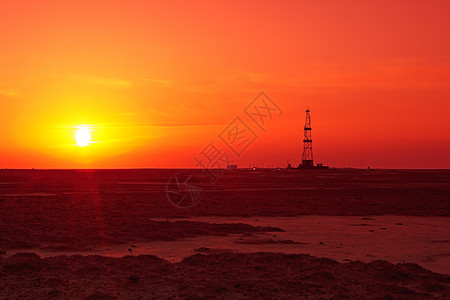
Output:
(352, 216)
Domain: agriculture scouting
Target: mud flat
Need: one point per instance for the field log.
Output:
(397, 239)
(249, 236)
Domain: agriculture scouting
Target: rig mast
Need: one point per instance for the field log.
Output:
(307, 156)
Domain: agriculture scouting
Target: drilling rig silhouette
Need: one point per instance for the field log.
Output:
(307, 154)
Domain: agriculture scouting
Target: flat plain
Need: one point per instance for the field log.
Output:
(264, 233)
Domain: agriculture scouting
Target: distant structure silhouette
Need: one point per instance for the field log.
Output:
(307, 156)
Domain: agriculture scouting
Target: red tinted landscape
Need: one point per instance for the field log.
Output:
(115, 234)
(186, 149)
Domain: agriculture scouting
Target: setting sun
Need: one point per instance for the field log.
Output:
(82, 136)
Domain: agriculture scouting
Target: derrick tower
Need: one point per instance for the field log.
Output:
(307, 156)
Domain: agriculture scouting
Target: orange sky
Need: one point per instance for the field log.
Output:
(158, 81)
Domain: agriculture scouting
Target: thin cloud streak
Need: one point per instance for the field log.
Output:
(96, 80)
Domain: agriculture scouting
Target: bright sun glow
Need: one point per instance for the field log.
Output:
(83, 136)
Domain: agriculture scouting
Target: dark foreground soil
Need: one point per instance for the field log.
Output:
(226, 275)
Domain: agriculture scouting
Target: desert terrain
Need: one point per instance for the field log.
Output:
(252, 234)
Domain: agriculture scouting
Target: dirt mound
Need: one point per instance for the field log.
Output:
(228, 275)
